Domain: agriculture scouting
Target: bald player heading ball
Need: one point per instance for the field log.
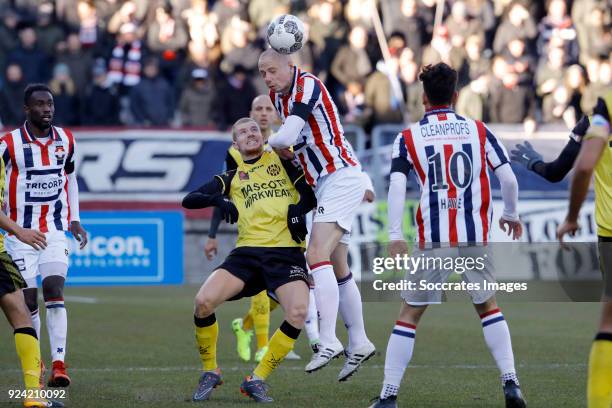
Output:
(312, 128)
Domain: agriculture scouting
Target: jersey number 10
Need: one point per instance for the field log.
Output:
(437, 174)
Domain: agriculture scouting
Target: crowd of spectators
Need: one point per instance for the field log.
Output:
(194, 62)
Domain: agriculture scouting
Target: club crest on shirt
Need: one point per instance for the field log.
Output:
(242, 175)
(273, 170)
(60, 152)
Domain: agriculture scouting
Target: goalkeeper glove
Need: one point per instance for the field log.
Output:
(296, 221)
(525, 155)
(229, 212)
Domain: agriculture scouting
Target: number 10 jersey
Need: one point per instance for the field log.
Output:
(450, 155)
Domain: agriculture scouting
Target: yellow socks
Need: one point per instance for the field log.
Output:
(599, 388)
(258, 302)
(207, 331)
(280, 344)
(247, 320)
(28, 350)
(260, 312)
(273, 304)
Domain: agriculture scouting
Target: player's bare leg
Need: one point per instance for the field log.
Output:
(30, 295)
(324, 239)
(497, 337)
(56, 320)
(220, 286)
(293, 297)
(605, 324)
(399, 353)
(360, 348)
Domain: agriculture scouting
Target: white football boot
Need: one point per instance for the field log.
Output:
(325, 354)
(355, 359)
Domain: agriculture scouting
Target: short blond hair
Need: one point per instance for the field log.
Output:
(240, 122)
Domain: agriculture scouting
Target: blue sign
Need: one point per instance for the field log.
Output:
(128, 248)
(147, 165)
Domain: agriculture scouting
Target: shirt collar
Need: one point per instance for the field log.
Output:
(30, 138)
(439, 109)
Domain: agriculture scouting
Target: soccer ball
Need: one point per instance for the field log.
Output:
(286, 34)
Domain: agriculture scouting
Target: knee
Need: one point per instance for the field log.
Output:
(490, 304)
(204, 305)
(31, 299)
(52, 292)
(296, 314)
(412, 314)
(316, 254)
(53, 287)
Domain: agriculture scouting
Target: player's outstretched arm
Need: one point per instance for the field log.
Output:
(288, 133)
(212, 245)
(556, 170)
(509, 220)
(230, 164)
(35, 239)
(590, 152)
(304, 103)
(212, 194)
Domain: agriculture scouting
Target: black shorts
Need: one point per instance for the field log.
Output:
(263, 268)
(10, 277)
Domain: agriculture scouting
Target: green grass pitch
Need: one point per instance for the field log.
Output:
(134, 347)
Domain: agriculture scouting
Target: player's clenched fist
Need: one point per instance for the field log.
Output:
(35, 239)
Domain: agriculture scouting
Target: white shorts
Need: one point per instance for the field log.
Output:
(28, 259)
(338, 198)
(434, 275)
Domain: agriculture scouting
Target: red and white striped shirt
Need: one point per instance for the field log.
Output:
(451, 156)
(321, 147)
(37, 177)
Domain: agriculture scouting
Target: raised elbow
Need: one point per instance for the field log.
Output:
(555, 177)
(190, 202)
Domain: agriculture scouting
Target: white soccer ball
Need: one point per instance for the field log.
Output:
(286, 34)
